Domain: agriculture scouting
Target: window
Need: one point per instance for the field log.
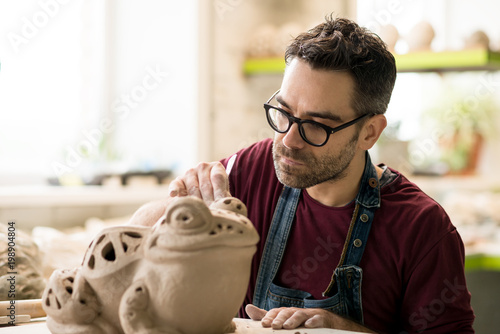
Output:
(90, 86)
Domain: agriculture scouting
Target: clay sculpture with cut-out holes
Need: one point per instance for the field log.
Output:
(187, 274)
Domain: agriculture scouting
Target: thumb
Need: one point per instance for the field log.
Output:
(254, 312)
(220, 182)
(315, 322)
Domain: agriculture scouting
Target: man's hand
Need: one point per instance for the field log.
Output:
(207, 181)
(292, 317)
(148, 214)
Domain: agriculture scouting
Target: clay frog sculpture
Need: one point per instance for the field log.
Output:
(187, 274)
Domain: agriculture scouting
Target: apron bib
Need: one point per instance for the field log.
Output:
(344, 291)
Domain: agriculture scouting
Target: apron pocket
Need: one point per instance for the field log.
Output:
(284, 297)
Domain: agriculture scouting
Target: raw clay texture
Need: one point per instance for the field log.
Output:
(28, 278)
(187, 274)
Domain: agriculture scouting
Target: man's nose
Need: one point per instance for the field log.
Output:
(292, 138)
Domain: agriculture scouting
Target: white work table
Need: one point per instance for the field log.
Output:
(243, 326)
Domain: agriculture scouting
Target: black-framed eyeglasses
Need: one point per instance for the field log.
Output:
(313, 133)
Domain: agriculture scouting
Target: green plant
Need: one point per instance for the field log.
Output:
(462, 122)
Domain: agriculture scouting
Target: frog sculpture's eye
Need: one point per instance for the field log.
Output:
(230, 204)
(188, 215)
(186, 220)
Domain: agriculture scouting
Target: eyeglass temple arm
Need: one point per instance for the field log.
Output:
(345, 125)
(272, 96)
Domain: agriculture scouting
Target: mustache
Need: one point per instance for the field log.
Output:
(280, 150)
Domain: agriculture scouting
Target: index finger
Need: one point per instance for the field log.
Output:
(177, 188)
(270, 316)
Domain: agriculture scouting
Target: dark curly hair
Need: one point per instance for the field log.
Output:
(341, 44)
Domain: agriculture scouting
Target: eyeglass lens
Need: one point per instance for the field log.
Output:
(311, 132)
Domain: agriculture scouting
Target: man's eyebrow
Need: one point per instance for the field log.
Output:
(281, 101)
(317, 114)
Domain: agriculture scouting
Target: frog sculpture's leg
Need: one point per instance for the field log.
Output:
(135, 317)
(231, 328)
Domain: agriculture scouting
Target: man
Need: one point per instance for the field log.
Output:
(344, 244)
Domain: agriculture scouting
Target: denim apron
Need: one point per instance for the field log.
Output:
(343, 294)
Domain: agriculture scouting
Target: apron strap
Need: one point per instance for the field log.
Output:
(284, 215)
(355, 243)
(367, 202)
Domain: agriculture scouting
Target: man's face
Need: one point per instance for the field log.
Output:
(325, 97)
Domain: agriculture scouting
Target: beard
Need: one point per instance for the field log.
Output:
(315, 170)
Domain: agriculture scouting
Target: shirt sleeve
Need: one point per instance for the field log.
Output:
(435, 297)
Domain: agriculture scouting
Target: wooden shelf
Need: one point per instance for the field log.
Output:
(446, 61)
(482, 262)
(273, 65)
(465, 60)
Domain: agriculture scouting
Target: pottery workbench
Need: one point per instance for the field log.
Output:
(243, 326)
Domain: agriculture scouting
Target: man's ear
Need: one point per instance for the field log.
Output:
(371, 131)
